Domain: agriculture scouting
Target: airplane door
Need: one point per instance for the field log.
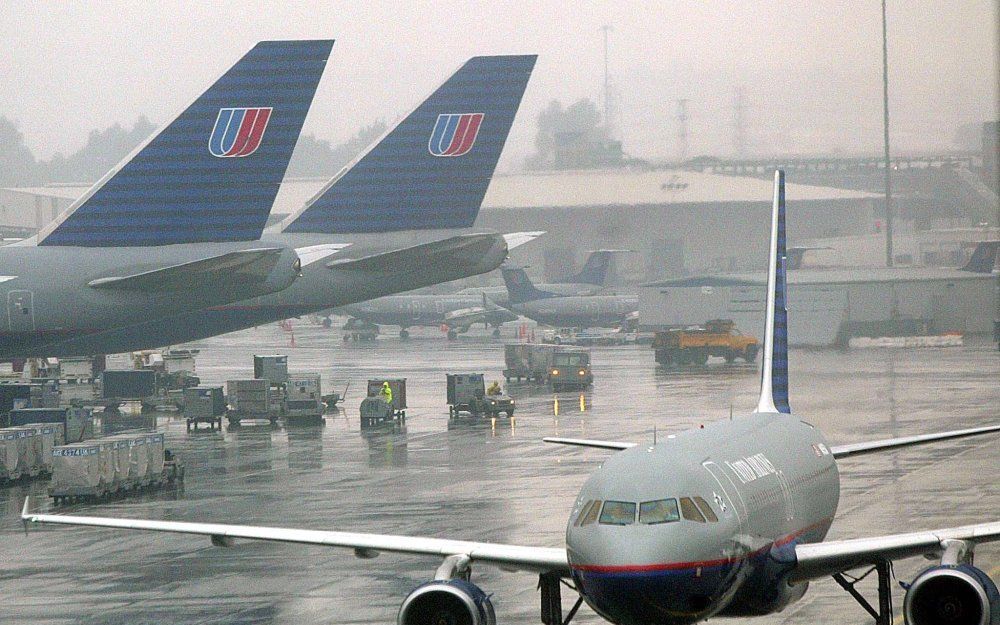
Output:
(20, 311)
(731, 495)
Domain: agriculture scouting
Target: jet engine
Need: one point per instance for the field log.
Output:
(952, 595)
(447, 602)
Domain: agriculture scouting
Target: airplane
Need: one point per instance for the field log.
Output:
(396, 206)
(593, 278)
(725, 520)
(578, 311)
(457, 312)
(460, 310)
(175, 226)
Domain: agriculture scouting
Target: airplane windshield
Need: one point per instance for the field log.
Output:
(618, 513)
(659, 511)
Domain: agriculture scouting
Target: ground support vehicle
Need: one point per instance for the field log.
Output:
(204, 404)
(718, 337)
(467, 393)
(357, 330)
(570, 369)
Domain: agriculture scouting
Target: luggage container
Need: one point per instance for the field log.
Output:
(128, 385)
(376, 412)
(82, 470)
(15, 396)
(141, 456)
(252, 399)
(398, 387)
(204, 404)
(154, 454)
(179, 361)
(273, 368)
(527, 361)
(12, 455)
(79, 424)
(303, 397)
(25, 416)
(29, 449)
(50, 435)
(76, 390)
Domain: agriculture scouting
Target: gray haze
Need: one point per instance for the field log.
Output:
(810, 71)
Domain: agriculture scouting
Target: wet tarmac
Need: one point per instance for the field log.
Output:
(483, 481)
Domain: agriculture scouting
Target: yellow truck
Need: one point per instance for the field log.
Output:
(718, 337)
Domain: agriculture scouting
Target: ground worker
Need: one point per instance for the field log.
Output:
(386, 392)
(494, 388)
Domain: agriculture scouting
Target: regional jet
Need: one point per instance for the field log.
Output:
(174, 227)
(578, 311)
(397, 206)
(725, 520)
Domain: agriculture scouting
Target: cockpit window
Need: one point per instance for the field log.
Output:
(706, 510)
(589, 515)
(690, 511)
(659, 511)
(618, 513)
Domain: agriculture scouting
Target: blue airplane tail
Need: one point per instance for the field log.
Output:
(595, 270)
(774, 369)
(519, 286)
(212, 173)
(433, 169)
(984, 257)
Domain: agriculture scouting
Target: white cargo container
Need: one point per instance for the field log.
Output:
(11, 465)
(141, 455)
(154, 453)
(29, 447)
(82, 469)
(49, 435)
(79, 368)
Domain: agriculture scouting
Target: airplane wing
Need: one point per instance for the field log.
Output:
(220, 271)
(507, 557)
(585, 442)
(858, 449)
(822, 559)
(465, 249)
(517, 239)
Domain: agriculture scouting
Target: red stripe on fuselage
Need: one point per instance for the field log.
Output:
(704, 564)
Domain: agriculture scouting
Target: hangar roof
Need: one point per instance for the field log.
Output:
(620, 187)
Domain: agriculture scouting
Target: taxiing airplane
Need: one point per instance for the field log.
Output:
(397, 206)
(724, 520)
(577, 311)
(175, 226)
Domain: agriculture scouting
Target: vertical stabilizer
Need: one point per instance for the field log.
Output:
(774, 370)
(984, 258)
(520, 289)
(212, 173)
(595, 270)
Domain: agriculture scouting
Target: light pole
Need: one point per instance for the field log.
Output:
(885, 131)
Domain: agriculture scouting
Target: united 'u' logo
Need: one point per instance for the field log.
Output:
(238, 131)
(454, 133)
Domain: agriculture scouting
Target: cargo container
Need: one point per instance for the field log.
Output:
(13, 455)
(179, 361)
(303, 397)
(527, 361)
(273, 368)
(398, 387)
(83, 470)
(203, 404)
(128, 385)
(77, 368)
(29, 449)
(376, 412)
(16, 396)
(49, 435)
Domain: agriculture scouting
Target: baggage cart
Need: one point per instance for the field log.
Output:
(303, 398)
(273, 367)
(251, 400)
(398, 387)
(467, 393)
(204, 404)
(376, 412)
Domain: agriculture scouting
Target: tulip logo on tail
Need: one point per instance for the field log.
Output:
(454, 134)
(238, 131)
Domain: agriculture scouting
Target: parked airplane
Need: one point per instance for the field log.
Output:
(428, 174)
(459, 311)
(727, 520)
(175, 226)
(578, 311)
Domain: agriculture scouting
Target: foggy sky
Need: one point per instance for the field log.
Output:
(810, 71)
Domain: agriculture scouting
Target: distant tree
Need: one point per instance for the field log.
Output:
(317, 158)
(104, 149)
(573, 137)
(18, 167)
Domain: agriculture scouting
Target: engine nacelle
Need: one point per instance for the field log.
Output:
(447, 602)
(952, 595)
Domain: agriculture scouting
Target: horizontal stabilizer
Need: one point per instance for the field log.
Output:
(858, 449)
(584, 442)
(223, 271)
(466, 249)
(212, 173)
(517, 239)
(315, 253)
